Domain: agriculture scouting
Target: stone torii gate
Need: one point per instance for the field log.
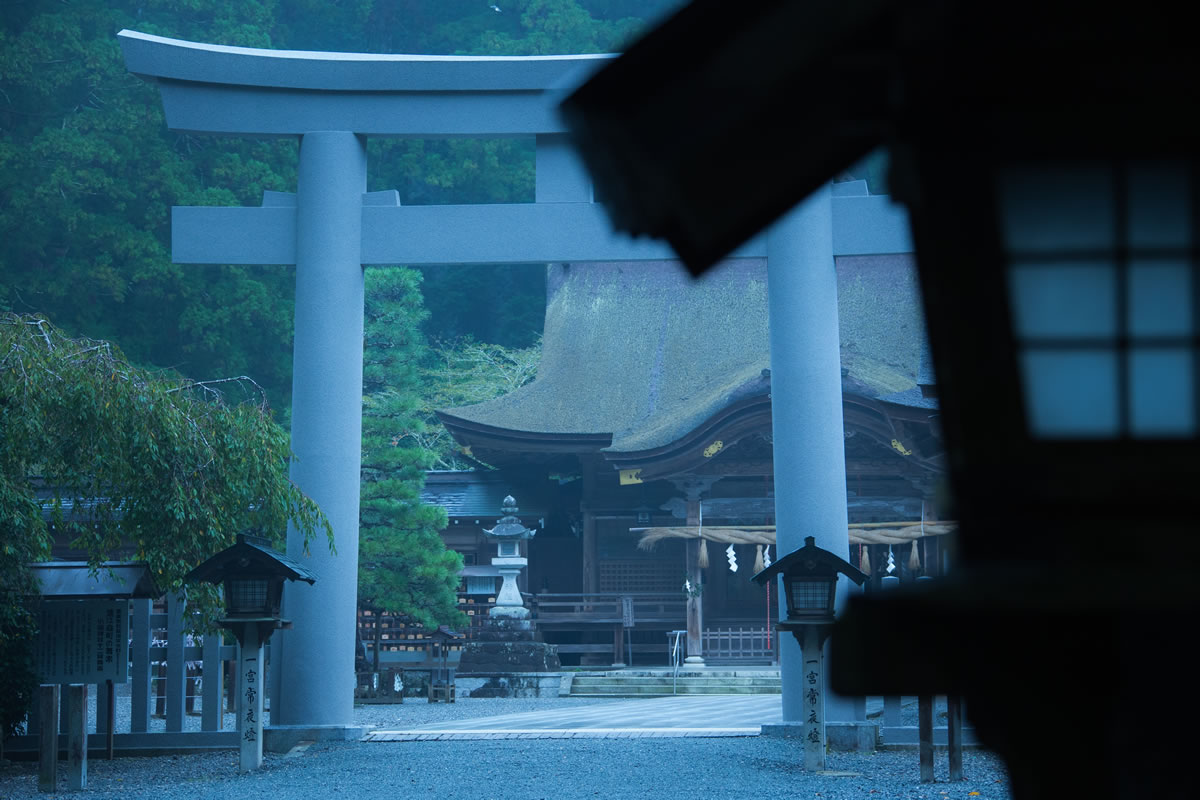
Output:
(331, 227)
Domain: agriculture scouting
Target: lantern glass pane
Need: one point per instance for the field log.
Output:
(1160, 298)
(1056, 208)
(507, 549)
(1162, 397)
(1103, 291)
(1070, 393)
(810, 595)
(1160, 206)
(1064, 301)
(247, 594)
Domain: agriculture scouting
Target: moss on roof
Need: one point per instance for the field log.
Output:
(645, 353)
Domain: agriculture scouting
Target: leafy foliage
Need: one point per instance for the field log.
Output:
(128, 461)
(404, 566)
(464, 372)
(18, 625)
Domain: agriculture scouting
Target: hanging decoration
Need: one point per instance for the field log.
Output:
(759, 566)
(891, 565)
(914, 558)
(864, 561)
(731, 556)
(766, 556)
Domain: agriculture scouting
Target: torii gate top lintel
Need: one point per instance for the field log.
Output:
(209, 88)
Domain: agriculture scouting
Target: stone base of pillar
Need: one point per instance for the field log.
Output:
(282, 738)
(694, 661)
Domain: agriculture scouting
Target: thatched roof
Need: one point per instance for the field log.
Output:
(645, 353)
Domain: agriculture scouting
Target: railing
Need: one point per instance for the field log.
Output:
(676, 658)
(605, 608)
(739, 643)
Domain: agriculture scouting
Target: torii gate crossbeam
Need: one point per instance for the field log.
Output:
(331, 226)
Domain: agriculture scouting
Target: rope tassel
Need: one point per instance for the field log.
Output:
(864, 563)
(758, 560)
(702, 562)
(914, 558)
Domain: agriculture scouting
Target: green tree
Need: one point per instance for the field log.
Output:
(87, 178)
(464, 372)
(404, 566)
(152, 464)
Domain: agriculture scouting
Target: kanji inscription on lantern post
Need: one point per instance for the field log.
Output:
(250, 700)
(814, 700)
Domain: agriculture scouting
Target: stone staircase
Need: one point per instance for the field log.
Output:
(661, 683)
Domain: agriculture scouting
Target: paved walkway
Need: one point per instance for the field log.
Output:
(682, 716)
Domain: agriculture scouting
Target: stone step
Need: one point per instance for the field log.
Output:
(656, 684)
(659, 681)
(628, 690)
(683, 673)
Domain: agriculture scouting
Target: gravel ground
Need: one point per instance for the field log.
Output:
(747, 767)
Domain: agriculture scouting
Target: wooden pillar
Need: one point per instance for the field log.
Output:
(175, 665)
(925, 736)
(590, 572)
(695, 603)
(77, 707)
(891, 703)
(695, 609)
(925, 707)
(106, 715)
(954, 740)
(214, 684)
(48, 697)
(102, 702)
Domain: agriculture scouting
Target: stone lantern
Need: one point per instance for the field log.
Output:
(506, 648)
(508, 535)
(251, 573)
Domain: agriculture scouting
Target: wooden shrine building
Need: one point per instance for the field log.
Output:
(648, 430)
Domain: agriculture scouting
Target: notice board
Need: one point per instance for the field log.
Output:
(83, 641)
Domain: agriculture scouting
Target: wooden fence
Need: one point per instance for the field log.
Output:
(606, 608)
(159, 679)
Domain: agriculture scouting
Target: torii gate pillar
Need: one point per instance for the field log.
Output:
(326, 430)
(806, 415)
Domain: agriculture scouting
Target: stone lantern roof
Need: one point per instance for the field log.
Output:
(509, 526)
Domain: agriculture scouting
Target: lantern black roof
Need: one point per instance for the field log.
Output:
(251, 554)
(814, 560)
